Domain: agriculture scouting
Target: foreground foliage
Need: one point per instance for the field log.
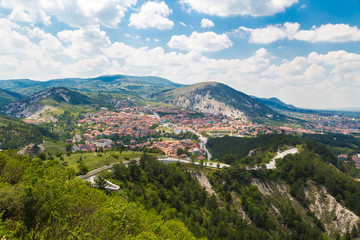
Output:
(45, 201)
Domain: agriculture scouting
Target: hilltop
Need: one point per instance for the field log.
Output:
(218, 98)
(136, 85)
(37, 102)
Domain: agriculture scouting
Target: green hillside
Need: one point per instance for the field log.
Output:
(241, 147)
(181, 201)
(8, 97)
(37, 201)
(49, 97)
(15, 134)
(135, 85)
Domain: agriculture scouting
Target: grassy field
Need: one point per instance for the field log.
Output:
(96, 160)
(53, 147)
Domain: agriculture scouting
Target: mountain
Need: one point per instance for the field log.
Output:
(218, 98)
(36, 102)
(276, 103)
(280, 106)
(140, 86)
(8, 97)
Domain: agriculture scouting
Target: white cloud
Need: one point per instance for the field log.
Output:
(271, 33)
(182, 24)
(330, 33)
(239, 7)
(317, 80)
(73, 12)
(84, 42)
(206, 23)
(22, 15)
(290, 31)
(152, 15)
(202, 42)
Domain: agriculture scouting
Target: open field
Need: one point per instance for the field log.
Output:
(96, 160)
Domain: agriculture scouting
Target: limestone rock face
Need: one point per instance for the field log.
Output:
(218, 98)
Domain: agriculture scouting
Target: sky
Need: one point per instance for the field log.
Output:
(306, 53)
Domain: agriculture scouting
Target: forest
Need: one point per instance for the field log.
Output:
(339, 143)
(16, 134)
(229, 149)
(43, 199)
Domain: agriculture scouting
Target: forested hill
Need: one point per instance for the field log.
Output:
(309, 195)
(8, 97)
(15, 134)
(136, 85)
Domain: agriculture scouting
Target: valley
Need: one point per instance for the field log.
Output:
(202, 161)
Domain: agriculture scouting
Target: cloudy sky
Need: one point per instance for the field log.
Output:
(306, 53)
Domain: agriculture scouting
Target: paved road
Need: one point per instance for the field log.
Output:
(110, 186)
(175, 160)
(96, 171)
(272, 164)
(203, 141)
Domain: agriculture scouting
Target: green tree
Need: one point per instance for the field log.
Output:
(100, 182)
(83, 169)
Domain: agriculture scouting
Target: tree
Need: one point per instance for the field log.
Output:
(193, 158)
(201, 162)
(68, 147)
(83, 169)
(42, 156)
(120, 171)
(100, 182)
(229, 159)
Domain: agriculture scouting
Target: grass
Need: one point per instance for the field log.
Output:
(54, 147)
(96, 160)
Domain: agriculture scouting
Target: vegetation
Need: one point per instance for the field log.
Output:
(174, 193)
(240, 148)
(45, 201)
(339, 143)
(317, 163)
(15, 134)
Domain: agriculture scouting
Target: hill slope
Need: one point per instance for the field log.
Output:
(218, 98)
(35, 103)
(113, 83)
(276, 103)
(8, 97)
(15, 134)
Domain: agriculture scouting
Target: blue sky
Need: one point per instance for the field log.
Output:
(304, 52)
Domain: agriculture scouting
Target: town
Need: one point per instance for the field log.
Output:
(176, 132)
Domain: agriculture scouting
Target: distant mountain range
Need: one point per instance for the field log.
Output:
(140, 86)
(275, 103)
(208, 97)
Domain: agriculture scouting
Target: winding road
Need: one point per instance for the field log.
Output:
(272, 164)
(112, 187)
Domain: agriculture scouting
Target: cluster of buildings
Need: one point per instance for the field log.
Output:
(147, 122)
(345, 158)
(333, 123)
(170, 147)
(104, 124)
